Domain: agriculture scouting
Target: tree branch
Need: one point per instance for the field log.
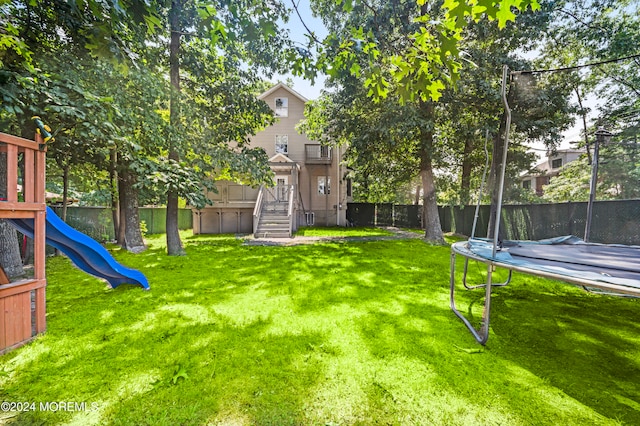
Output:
(310, 33)
(581, 21)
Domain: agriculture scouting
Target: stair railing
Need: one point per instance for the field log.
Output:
(257, 210)
(290, 211)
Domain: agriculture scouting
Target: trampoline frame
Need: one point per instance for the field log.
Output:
(462, 249)
(482, 334)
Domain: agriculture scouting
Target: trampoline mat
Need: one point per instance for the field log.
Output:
(610, 260)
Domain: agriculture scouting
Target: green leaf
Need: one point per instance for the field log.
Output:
(435, 89)
(355, 69)
(347, 5)
(504, 15)
(180, 372)
(153, 23)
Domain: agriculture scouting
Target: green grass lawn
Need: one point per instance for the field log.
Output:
(342, 232)
(350, 333)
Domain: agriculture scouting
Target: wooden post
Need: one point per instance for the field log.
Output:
(12, 173)
(39, 241)
(28, 184)
(4, 279)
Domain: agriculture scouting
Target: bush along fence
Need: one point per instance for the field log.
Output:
(613, 222)
(97, 222)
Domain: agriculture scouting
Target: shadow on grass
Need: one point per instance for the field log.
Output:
(187, 363)
(349, 333)
(581, 343)
(584, 344)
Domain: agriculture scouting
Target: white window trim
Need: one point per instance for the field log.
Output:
(324, 185)
(282, 140)
(282, 111)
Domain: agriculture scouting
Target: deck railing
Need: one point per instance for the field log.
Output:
(278, 194)
(317, 154)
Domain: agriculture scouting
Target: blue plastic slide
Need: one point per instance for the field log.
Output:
(85, 252)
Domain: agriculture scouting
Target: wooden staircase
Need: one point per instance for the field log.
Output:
(273, 214)
(274, 221)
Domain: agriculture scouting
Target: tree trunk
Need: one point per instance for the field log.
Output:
(467, 167)
(115, 205)
(65, 191)
(133, 240)
(494, 175)
(10, 258)
(583, 113)
(430, 217)
(174, 244)
(122, 217)
(9, 246)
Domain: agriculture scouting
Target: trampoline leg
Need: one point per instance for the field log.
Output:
(481, 335)
(471, 287)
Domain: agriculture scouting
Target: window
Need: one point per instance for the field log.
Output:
(324, 185)
(349, 188)
(526, 184)
(557, 163)
(310, 217)
(282, 144)
(282, 107)
(282, 189)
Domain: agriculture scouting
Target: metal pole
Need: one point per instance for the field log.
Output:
(337, 185)
(592, 188)
(602, 136)
(507, 109)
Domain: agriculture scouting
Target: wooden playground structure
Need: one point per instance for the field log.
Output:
(22, 302)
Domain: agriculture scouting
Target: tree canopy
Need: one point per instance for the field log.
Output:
(162, 94)
(394, 139)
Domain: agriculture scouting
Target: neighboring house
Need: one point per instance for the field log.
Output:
(309, 186)
(542, 173)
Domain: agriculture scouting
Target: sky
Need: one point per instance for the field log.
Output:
(307, 89)
(312, 91)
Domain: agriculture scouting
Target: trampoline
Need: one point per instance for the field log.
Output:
(612, 269)
(606, 268)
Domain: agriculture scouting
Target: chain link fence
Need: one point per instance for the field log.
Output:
(97, 222)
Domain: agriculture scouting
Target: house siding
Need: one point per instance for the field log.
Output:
(233, 204)
(543, 172)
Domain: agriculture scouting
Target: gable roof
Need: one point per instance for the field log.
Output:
(280, 158)
(285, 87)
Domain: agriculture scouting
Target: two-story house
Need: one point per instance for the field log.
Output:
(542, 173)
(309, 186)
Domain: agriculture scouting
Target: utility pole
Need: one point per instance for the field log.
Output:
(602, 137)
